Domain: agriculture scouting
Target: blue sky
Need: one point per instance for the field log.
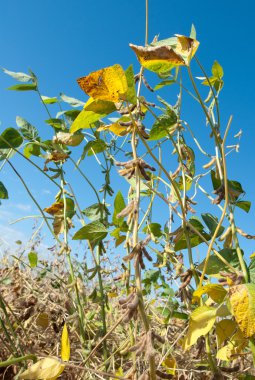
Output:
(63, 40)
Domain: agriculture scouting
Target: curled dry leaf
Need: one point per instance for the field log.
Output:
(163, 58)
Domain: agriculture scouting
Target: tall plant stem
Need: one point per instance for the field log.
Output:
(102, 301)
(138, 279)
(69, 260)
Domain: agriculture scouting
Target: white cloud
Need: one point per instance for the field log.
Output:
(23, 206)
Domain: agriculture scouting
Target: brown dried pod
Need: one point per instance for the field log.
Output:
(135, 302)
(123, 172)
(127, 210)
(125, 123)
(146, 254)
(127, 110)
(147, 166)
(186, 282)
(225, 234)
(129, 316)
(149, 104)
(141, 262)
(147, 84)
(244, 234)
(146, 240)
(158, 337)
(122, 301)
(131, 173)
(144, 174)
(210, 163)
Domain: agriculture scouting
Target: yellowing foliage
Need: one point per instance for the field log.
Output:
(242, 300)
(166, 56)
(109, 84)
(65, 344)
(201, 322)
(216, 292)
(48, 368)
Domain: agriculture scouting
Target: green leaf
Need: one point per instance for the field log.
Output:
(3, 191)
(33, 259)
(234, 188)
(244, 205)
(94, 146)
(12, 136)
(193, 33)
(163, 125)
(217, 70)
(21, 77)
(28, 131)
(56, 123)
(72, 101)
(119, 205)
(93, 111)
(95, 211)
(215, 265)
(252, 270)
(47, 100)
(194, 239)
(23, 87)
(154, 228)
(70, 115)
(32, 149)
(94, 232)
(212, 223)
(163, 84)
(131, 93)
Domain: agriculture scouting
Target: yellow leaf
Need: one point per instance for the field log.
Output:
(215, 291)
(242, 300)
(235, 346)
(170, 364)
(201, 322)
(116, 128)
(157, 58)
(224, 330)
(93, 111)
(65, 344)
(109, 84)
(45, 369)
